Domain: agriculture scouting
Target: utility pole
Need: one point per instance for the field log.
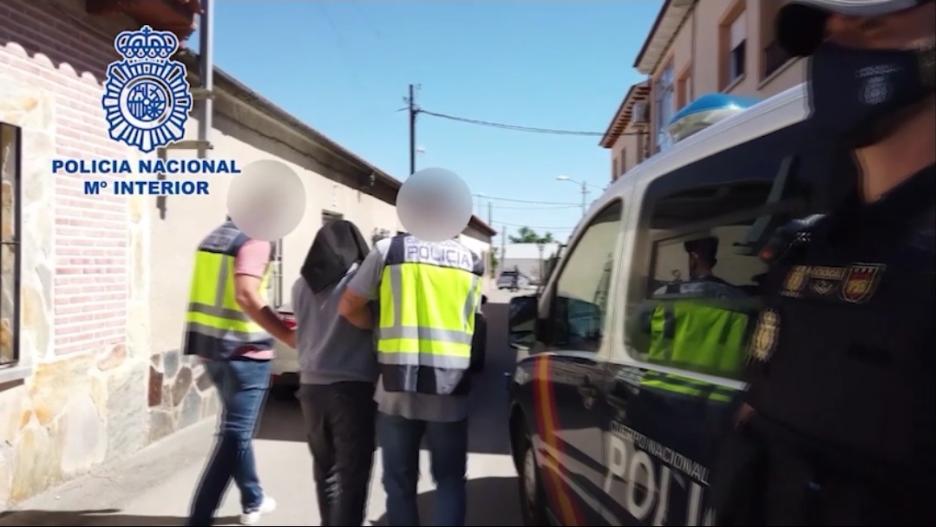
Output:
(503, 254)
(491, 223)
(413, 110)
(584, 190)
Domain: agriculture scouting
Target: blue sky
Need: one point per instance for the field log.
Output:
(343, 67)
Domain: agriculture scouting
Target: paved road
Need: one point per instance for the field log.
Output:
(154, 487)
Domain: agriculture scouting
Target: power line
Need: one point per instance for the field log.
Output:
(515, 127)
(553, 207)
(520, 128)
(495, 198)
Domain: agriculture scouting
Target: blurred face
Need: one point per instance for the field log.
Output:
(909, 29)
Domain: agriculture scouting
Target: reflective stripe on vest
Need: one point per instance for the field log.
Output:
(696, 335)
(686, 386)
(429, 293)
(215, 323)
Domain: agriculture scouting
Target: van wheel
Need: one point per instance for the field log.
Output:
(532, 503)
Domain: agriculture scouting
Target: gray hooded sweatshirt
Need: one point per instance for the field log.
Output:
(330, 348)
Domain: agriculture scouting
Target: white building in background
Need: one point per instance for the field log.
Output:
(529, 258)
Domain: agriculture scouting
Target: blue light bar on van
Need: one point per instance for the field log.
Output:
(706, 111)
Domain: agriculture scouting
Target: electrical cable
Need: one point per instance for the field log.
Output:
(495, 198)
(520, 128)
(514, 127)
(553, 207)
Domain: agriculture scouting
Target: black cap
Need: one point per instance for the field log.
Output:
(801, 23)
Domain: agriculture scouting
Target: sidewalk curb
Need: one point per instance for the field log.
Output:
(112, 484)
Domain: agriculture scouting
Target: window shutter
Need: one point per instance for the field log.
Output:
(738, 30)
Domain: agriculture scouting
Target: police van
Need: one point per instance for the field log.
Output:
(631, 357)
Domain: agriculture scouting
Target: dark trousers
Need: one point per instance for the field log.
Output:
(448, 452)
(242, 385)
(340, 426)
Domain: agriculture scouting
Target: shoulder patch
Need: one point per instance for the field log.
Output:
(861, 282)
(766, 335)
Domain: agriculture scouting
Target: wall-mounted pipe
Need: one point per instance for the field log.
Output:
(206, 73)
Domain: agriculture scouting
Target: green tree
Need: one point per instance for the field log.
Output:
(528, 235)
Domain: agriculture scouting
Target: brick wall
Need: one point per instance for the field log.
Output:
(64, 52)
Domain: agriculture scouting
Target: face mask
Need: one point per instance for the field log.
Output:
(859, 95)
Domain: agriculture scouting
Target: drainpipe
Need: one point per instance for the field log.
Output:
(206, 73)
(203, 93)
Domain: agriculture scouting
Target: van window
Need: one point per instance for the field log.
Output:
(696, 281)
(578, 306)
(704, 280)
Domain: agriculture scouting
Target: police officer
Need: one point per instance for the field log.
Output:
(429, 295)
(840, 421)
(231, 327)
(703, 283)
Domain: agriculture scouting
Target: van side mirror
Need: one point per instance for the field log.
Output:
(522, 321)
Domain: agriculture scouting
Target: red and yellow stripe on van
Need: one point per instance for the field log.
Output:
(547, 419)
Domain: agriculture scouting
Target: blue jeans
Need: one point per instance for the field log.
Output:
(448, 452)
(242, 385)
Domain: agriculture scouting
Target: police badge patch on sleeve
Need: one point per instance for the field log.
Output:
(765, 336)
(861, 281)
(795, 280)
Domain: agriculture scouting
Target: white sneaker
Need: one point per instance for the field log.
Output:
(267, 506)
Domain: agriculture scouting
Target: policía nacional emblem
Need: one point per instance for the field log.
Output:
(861, 281)
(146, 96)
(876, 90)
(764, 340)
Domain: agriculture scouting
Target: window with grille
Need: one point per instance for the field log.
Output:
(10, 248)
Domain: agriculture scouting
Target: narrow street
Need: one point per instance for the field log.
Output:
(154, 486)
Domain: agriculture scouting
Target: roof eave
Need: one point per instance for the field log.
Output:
(621, 120)
(649, 55)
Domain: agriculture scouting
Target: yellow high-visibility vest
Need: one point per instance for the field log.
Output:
(429, 293)
(696, 335)
(215, 324)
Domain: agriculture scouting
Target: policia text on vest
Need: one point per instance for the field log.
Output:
(429, 294)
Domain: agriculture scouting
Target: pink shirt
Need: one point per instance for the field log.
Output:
(252, 260)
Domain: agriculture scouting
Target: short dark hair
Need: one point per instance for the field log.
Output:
(706, 248)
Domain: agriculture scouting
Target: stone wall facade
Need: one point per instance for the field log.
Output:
(80, 393)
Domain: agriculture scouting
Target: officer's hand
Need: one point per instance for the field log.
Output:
(290, 339)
